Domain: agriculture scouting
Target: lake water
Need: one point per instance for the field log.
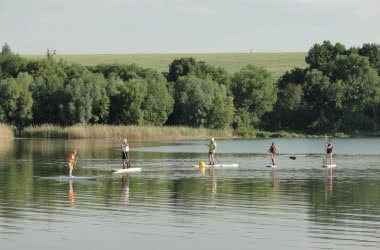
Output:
(169, 205)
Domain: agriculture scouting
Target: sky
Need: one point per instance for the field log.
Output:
(184, 26)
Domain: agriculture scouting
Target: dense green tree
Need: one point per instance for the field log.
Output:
(158, 102)
(124, 72)
(85, 100)
(294, 76)
(48, 95)
(126, 103)
(16, 100)
(181, 67)
(321, 98)
(6, 50)
(372, 51)
(10, 64)
(189, 66)
(321, 54)
(254, 91)
(202, 102)
(288, 112)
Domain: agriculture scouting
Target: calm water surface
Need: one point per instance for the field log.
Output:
(170, 205)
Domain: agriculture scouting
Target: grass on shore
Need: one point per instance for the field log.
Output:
(6, 131)
(159, 133)
(132, 132)
(276, 63)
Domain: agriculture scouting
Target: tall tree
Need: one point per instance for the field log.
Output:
(189, 66)
(254, 92)
(372, 51)
(10, 64)
(201, 102)
(16, 100)
(126, 103)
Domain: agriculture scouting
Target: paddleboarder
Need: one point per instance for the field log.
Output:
(125, 153)
(72, 161)
(211, 151)
(329, 149)
(273, 150)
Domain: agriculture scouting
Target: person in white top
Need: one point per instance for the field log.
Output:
(124, 153)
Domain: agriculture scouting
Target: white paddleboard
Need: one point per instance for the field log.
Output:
(271, 166)
(235, 165)
(125, 170)
(329, 165)
(68, 178)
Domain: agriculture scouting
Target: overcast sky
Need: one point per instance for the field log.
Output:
(180, 26)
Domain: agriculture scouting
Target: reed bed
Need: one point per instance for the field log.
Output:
(132, 132)
(6, 131)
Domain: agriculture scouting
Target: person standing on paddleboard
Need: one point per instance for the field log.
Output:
(125, 153)
(273, 150)
(329, 149)
(72, 161)
(211, 151)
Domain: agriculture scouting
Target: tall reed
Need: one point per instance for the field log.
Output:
(6, 131)
(132, 132)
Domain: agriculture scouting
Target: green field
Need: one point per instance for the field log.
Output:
(276, 63)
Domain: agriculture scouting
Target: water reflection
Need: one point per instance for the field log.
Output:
(125, 181)
(329, 182)
(72, 195)
(211, 173)
(303, 205)
(275, 182)
(5, 147)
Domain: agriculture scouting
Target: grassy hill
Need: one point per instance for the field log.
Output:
(276, 63)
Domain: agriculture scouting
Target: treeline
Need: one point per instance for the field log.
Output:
(338, 91)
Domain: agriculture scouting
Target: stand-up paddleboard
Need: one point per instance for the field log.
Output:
(125, 170)
(329, 165)
(235, 165)
(70, 178)
(271, 166)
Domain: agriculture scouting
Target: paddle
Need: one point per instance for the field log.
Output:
(218, 161)
(76, 159)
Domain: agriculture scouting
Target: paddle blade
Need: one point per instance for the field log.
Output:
(293, 157)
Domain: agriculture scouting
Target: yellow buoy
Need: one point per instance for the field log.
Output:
(202, 164)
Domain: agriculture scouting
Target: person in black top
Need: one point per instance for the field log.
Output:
(329, 149)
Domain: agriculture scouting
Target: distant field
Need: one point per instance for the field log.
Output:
(276, 63)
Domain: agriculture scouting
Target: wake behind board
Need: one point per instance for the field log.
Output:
(235, 165)
(271, 166)
(329, 165)
(125, 170)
